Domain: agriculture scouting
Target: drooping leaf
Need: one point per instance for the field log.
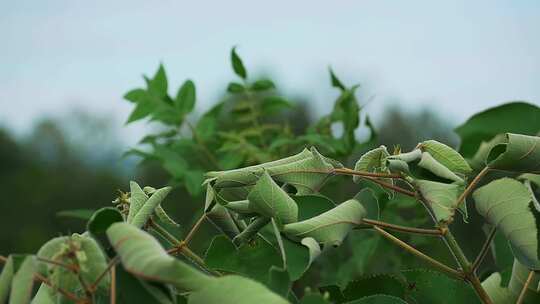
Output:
(251, 230)
(429, 163)
(442, 198)
(426, 286)
(300, 255)
(515, 117)
(142, 255)
(10, 266)
(519, 153)
(237, 64)
(331, 227)
(373, 161)
(447, 156)
(232, 290)
(498, 294)
(130, 289)
(185, 99)
(507, 204)
(220, 217)
(269, 200)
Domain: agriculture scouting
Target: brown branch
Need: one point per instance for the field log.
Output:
(110, 265)
(194, 229)
(428, 232)
(390, 186)
(484, 250)
(525, 286)
(419, 254)
(67, 266)
(347, 171)
(471, 186)
(65, 293)
(113, 285)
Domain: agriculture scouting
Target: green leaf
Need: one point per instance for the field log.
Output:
(263, 85)
(220, 217)
(237, 64)
(378, 299)
(136, 200)
(519, 276)
(82, 214)
(498, 294)
(331, 227)
(143, 108)
(206, 127)
(447, 156)
(6, 276)
(279, 281)
(135, 95)
(133, 290)
(429, 163)
(142, 255)
(251, 230)
(235, 290)
(253, 259)
(158, 84)
(515, 117)
(143, 214)
(336, 83)
(426, 286)
(235, 88)
(23, 282)
(507, 204)
(372, 161)
(372, 285)
(441, 197)
(100, 221)
(368, 199)
(88, 256)
(185, 99)
(312, 205)
(519, 153)
(274, 104)
(269, 200)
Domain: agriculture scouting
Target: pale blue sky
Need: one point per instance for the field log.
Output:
(457, 56)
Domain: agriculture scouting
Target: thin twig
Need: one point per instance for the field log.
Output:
(390, 186)
(112, 263)
(525, 287)
(484, 250)
(65, 293)
(194, 229)
(429, 232)
(164, 233)
(67, 266)
(347, 171)
(419, 254)
(113, 285)
(471, 186)
(3, 259)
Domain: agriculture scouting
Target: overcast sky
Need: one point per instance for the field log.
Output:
(456, 56)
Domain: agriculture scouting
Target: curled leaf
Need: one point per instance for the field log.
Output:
(519, 153)
(447, 156)
(331, 227)
(441, 197)
(434, 166)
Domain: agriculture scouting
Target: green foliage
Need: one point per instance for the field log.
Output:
(282, 238)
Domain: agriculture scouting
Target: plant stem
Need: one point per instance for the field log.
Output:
(525, 286)
(471, 186)
(112, 263)
(67, 266)
(419, 254)
(65, 293)
(194, 229)
(180, 246)
(347, 171)
(466, 267)
(391, 187)
(428, 232)
(201, 144)
(484, 250)
(113, 285)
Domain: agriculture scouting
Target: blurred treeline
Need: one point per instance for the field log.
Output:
(76, 163)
